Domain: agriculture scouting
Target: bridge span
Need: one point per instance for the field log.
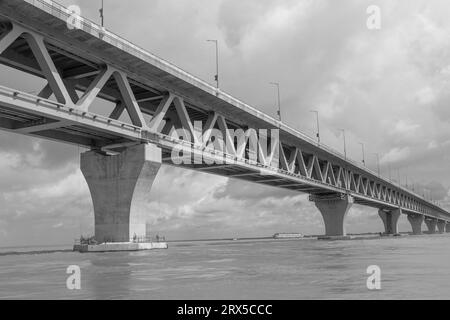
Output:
(152, 102)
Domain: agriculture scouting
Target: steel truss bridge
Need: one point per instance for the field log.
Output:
(84, 63)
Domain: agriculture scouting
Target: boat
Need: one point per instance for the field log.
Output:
(288, 236)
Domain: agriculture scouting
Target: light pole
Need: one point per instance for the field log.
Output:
(345, 143)
(363, 154)
(318, 125)
(276, 84)
(390, 172)
(101, 14)
(216, 78)
(378, 163)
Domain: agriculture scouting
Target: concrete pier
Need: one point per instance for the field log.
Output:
(441, 225)
(431, 225)
(120, 189)
(390, 220)
(416, 221)
(334, 209)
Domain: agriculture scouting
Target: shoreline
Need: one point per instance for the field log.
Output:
(68, 248)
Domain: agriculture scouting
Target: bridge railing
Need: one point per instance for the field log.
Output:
(53, 105)
(14, 94)
(94, 29)
(267, 168)
(61, 12)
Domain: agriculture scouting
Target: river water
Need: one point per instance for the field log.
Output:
(412, 267)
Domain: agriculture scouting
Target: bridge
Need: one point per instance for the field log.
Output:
(162, 114)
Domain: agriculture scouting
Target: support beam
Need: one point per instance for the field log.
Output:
(129, 100)
(94, 89)
(9, 37)
(441, 226)
(334, 210)
(120, 188)
(416, 221)
(56, 83)
(431, 225)
(44, 126)
(390, 220)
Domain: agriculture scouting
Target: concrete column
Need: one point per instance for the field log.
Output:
(431, 225)
(334, 210)
(416, 221)
(120, 190)
(390, 220)
(447, 227)
(441, 226)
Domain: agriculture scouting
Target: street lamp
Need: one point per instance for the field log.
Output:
(101, 14)
(276, 84)
(378, 163)
(390, 171)
(363, 154)
(345, 143)
(318, 126)
(216, 77)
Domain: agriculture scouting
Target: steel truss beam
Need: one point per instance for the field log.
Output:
(172, 112)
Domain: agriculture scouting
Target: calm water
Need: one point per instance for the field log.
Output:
(412, 267)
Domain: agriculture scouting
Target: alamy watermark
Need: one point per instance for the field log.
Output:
(374, 280)
(374, 20)
(73, 282)
(223, 147)
(74, 19)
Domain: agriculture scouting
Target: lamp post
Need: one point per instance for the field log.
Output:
(276, 84)
(101, 15)
(363, 154)
(390, 172)
(318, 125)
(345, 143)
(378, 163)
(216, 77)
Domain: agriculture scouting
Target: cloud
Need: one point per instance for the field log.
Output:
(396, 155)
(242, 190)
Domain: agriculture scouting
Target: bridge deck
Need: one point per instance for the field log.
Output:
(79, 55)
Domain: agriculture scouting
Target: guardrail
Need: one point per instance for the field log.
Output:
(61, 12)
(15, 94)
(242, 161)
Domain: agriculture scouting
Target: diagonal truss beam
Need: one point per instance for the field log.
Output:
(318, 168)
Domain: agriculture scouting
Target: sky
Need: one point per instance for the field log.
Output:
(388, 88)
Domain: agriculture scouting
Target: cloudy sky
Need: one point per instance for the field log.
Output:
(387, 88)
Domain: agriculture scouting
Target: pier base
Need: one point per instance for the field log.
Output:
(416, 221)
(431, 225)
(390, 220)
(120, 246)
(120, 189)
(441, 225)
(334, 210)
